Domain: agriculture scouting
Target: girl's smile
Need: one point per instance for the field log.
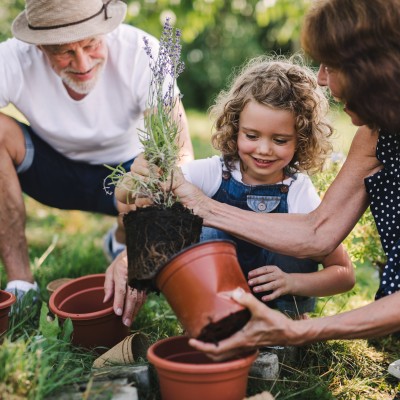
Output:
(266, 143)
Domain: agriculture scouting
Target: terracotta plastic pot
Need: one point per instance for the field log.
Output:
(6, 301)
(197, 282)
(95, 323)
(187, 374)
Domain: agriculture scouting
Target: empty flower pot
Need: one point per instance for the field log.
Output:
(197, 283)
(185, 373)
(6, 301)
(95, 325)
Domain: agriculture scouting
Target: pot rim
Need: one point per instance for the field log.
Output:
(9, 301)
(78, 316)
(201, 244)
(214, 367)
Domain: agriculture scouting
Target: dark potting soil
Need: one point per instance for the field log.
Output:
(155, 234)
(216, 331)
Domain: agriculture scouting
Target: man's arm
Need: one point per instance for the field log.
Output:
(186, 153)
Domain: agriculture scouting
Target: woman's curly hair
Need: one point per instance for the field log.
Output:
(280, 84)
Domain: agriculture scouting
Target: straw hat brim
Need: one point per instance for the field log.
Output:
(73, 33)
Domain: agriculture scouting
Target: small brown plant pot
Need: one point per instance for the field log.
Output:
(187, 374)
(95, 325)
(6, 301)
(197, 283)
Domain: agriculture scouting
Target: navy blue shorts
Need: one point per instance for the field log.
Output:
(56, 181)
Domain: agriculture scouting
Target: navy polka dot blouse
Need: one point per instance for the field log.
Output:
(384, 192)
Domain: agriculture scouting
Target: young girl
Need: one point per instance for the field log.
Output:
(270, 126)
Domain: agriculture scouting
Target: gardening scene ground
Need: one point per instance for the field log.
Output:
(37, 360)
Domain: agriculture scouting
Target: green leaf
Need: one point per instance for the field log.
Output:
(49, 328)
(67, 330)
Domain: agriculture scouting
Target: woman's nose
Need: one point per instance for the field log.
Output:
(322, 75)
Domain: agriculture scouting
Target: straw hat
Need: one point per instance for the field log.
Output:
(67, 21)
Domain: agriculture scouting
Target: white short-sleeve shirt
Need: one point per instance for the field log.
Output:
(206, 174)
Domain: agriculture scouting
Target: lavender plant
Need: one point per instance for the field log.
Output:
(162, 124)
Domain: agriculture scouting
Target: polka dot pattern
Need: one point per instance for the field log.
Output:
(384, 192)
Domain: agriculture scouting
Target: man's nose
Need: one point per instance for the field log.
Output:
(82, 61)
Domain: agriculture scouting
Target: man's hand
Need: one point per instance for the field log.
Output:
(127, 302)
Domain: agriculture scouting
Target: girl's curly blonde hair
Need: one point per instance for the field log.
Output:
(281, 84)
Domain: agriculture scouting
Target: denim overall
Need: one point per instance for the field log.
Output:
(262, 199)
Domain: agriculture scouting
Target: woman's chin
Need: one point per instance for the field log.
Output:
(355, 119)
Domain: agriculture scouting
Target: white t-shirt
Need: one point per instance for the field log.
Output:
(206, 174)
(100, 128)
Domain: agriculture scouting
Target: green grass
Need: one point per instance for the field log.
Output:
(68, 244)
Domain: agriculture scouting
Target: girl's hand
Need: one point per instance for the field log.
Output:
(270, 278)
(127, 301)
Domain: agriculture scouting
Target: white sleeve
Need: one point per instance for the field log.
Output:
(206, 174)
(302, 197)
(10, 72)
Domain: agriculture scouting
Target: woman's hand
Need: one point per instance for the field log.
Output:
(266, 327)
(127, 301)
(270, 278)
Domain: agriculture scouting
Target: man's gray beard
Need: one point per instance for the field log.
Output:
(82, 87)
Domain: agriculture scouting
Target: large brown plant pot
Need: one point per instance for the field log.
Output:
(6, 301)
(187, 374)
(95, 325)
(197, 282)
(153, 235)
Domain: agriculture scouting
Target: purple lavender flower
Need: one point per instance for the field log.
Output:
(162, 124)
(167, 65)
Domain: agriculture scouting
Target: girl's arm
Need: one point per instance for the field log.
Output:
(336, 277)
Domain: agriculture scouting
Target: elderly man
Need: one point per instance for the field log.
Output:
(81, 79)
